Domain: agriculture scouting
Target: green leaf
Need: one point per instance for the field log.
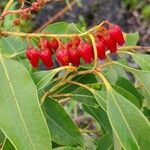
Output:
(7, 145)
(2, 137)
(62, 128)
(132, 39)
(111, 75)
(143, 76)
(57, 28)
(128, 122)
(67, 148)
(143, 60)
(127, 85)
(12, 45)
(100, 115)
(84, 96)
(105, 142)
(129, 96)
(84, 79)
(72, 28)
(44, 78)
(21, 118)
(100, 98)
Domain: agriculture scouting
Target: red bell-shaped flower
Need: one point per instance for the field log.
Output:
(62, 56)
(116, 33)
(46, 57)
(33, 56)
(86, 52)
(101, 50)
(74, 56)
(110, 43)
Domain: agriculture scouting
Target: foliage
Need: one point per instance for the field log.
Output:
(90, 107)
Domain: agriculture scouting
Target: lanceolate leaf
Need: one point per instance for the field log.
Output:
(62, 128)
(127, 85)
(100, 115)
(127, 95)
(21, 118)
(128, 122)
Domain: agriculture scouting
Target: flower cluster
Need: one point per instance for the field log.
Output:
(106, 38)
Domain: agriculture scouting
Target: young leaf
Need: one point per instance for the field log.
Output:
(62, 128)
(128, 122)
(21, 118)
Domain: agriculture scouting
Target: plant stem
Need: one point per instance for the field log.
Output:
(21, 34)
(102, 77)
(95, 51)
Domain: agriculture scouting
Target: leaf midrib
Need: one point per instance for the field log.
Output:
(130, 131)
(15, 98)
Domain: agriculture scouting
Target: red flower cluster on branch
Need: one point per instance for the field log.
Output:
(106, 38)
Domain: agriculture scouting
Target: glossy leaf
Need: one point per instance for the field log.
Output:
(128, 122)
(61, 126)
(21, 118)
